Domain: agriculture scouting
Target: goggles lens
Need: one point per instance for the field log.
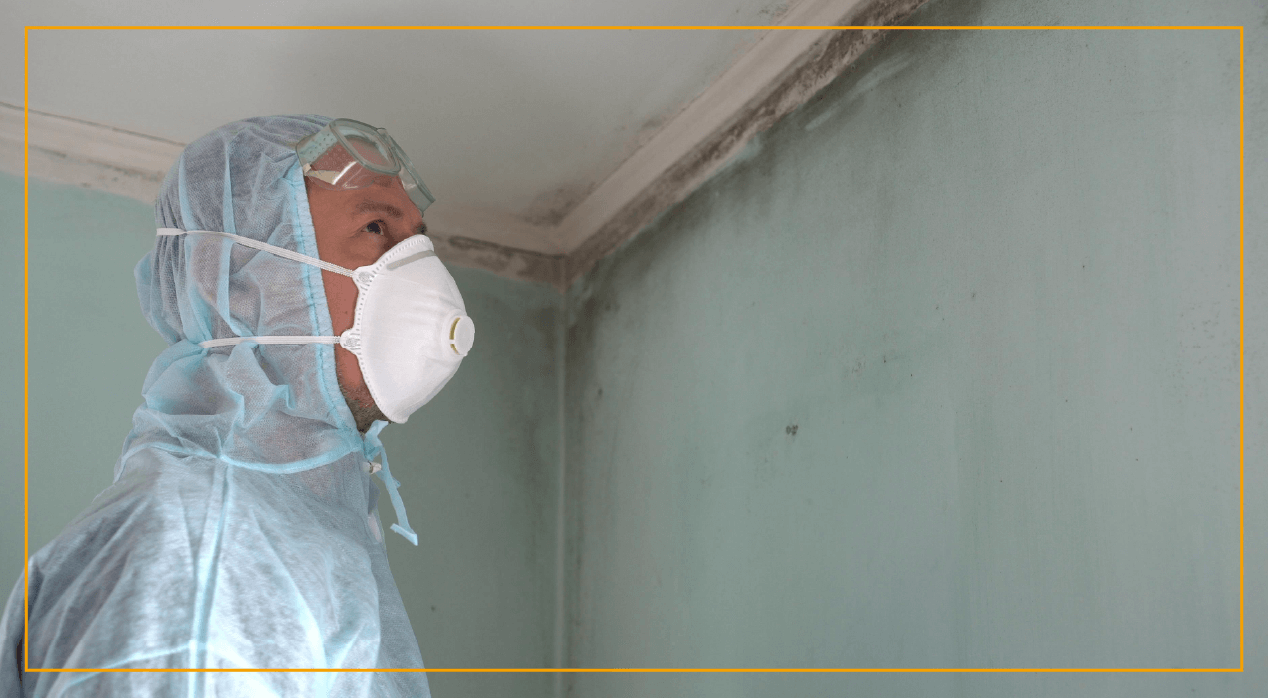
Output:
(347, 154)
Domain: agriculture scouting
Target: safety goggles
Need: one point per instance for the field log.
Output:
(348, 154)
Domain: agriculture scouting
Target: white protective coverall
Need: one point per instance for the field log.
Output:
(241, 530)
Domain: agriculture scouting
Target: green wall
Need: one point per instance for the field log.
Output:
(479, 463)
(89, 351)
(11, 496)
(482, 493)
(941, 371)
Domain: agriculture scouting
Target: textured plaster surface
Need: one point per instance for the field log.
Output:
(941, 371)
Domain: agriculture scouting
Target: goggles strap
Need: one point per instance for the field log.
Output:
(373, 448)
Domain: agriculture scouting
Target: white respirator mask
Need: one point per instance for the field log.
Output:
(410, 330)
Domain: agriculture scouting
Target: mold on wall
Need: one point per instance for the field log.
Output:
(942, 373)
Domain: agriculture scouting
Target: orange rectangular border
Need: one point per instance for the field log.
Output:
(1242, 226)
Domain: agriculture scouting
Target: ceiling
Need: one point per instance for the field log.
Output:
(511, 126)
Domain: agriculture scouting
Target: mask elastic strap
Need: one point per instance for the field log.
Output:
(263, 246)
(270, 339)
(374, 447)
(280, 252)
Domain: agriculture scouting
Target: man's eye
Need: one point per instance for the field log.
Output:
(374, 227)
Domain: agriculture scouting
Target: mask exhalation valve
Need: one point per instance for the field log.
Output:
(461, 335)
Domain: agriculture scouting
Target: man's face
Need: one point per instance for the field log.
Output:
(354, 228)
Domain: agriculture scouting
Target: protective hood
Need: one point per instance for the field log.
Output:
(274, 408)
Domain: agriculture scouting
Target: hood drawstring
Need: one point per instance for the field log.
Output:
(374, 448)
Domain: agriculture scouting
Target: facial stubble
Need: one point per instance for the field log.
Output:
(364, 411)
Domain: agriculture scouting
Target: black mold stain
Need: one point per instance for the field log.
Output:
(524, 265)
(791, 430)
(837, 55)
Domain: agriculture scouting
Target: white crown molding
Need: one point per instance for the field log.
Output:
(779, 73)
(747, 80)
(101, 157)
(503, 229)
(90, 142)
(71, 151)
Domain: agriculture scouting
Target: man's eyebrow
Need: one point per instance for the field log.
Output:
(379, 207)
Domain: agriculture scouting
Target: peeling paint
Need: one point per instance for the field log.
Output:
(876, 75)
(505, 261)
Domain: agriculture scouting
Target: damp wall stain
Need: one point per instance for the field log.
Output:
(939, 373)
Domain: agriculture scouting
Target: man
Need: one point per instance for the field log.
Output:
(241, 530)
